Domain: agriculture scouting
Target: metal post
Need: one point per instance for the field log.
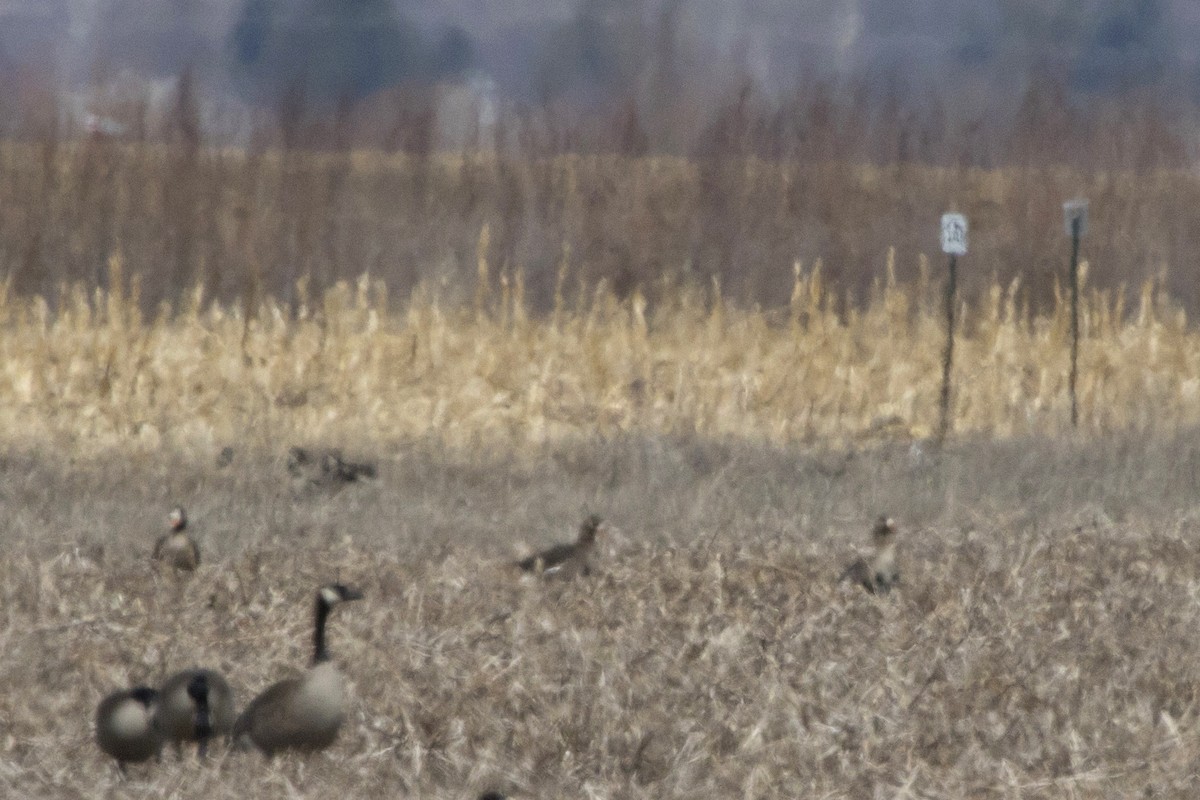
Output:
(948, 356)
(954, 244)
(1075, 232)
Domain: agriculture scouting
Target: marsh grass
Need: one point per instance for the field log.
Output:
(1038, 645)
(253, 222)
(352, 366)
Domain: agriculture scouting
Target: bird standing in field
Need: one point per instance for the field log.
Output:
(877, 574)
(302, 713)
(176, 547)
(193, 706)
(568, 559)
(125, 726)
(324, 470)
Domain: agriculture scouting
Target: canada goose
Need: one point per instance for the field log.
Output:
(125, 726)
(317, 470)
(193, 706)
(878, 574)
(567, 559)
(301, 713)
(176, 547)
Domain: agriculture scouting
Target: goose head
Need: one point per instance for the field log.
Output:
(591, 527)
(884, 532)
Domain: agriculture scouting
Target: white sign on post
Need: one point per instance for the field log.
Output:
(1075, 210)
(954, 234)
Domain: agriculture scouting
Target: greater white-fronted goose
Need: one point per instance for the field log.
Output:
(568, 559)
(176, 547)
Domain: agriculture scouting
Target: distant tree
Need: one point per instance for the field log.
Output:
(343, 48)
(183, 124)
(1104, 45)
(1127, 46)
(152, 37)
(249, 35)
(598, 51)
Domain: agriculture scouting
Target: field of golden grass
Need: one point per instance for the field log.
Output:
(1040, 644)
(350, 367)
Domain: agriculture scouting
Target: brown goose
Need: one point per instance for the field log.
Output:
(193, 706)
(301, 713)
(125, 726)
(325, 470)
(176, 547)
(568, 559)
(878, 574)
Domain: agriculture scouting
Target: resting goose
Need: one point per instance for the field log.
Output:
(324, 470)
(567, 559)
(125, 726)
(193, 706)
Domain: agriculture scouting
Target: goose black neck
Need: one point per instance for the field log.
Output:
(198, 691)
(320, 653)
(203, 721)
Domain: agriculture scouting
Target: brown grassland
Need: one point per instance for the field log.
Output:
(1039, 642)
(346, 367)
(1039, 645)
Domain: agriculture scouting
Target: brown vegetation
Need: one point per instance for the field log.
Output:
(243, 225)
(1038, 646)
(349, 368)
(651, 338)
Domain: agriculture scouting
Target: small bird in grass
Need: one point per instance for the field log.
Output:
(568, 559)
(877, 574)
(225, 457)
(125, 726)
(176, 547)
(324, 470)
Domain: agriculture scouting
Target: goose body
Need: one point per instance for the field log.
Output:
(879, 573)
(125, 727)
(303, 713)
(176, 547)
(567, 559)
(324, 470)
(195, 705)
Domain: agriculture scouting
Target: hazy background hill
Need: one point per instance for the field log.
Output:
(967, 62)
(783, 112)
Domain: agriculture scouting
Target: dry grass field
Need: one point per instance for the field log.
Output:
(93, 373)
(1041, 643)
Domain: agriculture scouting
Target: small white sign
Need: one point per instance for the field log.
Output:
(954, 234)
(1075, 210)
